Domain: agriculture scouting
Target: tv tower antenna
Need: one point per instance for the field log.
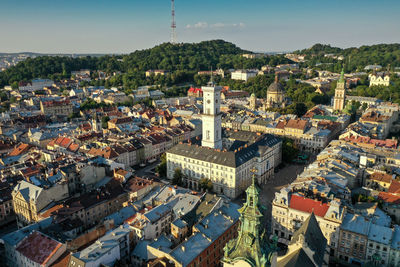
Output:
(173, 24)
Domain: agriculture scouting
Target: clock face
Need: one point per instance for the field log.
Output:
(208, 101)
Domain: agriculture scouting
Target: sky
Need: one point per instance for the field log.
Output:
(123, 26)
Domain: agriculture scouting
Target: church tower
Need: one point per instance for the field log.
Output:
(251, 248)
(211, 117)
(96, 126)
(253, 102)
(340, 93)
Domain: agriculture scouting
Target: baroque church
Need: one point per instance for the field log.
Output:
(252, 248)
(275, 97)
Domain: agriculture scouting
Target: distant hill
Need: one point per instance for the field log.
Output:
(355, 58)
(186, 56)
(319, 49)
(33, 54)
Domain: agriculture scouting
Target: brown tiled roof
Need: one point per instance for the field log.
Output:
(53, 103)
(394, 187)
(138, 183)
(107, 152)
(373, 116)
(381, 177)
(281, 125)
(62, 261)
(73, 147)
(38, 248)
(296, 124)
(121, 120)
(389, 198)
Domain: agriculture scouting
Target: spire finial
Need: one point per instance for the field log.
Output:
(276, 78)
(342, 75)
(253, 177)
(211, 77)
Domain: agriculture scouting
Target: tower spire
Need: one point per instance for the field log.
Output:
(211, 77)
(342, 75)
(251, 244)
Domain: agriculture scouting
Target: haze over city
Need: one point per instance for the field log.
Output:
(123, 26)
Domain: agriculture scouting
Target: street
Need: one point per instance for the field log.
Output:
(147, 170)
(281, 179)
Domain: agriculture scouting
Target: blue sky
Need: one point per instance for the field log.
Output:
(122, 26)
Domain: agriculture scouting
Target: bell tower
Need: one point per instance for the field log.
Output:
(340, 93)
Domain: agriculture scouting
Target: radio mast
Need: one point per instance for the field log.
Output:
(173, 24)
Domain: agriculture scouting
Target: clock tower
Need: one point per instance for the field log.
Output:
(211, 117)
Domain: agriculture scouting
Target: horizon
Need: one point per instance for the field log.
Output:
(262, 52)
(122, 27)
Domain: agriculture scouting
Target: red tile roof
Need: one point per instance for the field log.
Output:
(389, 198)
(22, 148)
(39, 248)
(107, 152)
(389, 143)
(308, 205)
(195, 90)
(394, 187)
(65, 142)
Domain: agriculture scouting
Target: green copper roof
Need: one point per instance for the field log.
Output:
(251, 245)
(322, 117)
(342, 76)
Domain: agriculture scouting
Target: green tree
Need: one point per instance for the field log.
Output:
(206, 184)
(3, 96)
(104, 122)
(300, 109)
(14, 85)
(161, 168)
(289, 151)
(178, 177)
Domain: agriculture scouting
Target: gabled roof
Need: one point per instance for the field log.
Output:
(298, 258)
(308, 205)
(314, 238)
(389, 198)
(20, 149)
(28, 191)
(394, 187)
(381, 177)
(296, 124)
